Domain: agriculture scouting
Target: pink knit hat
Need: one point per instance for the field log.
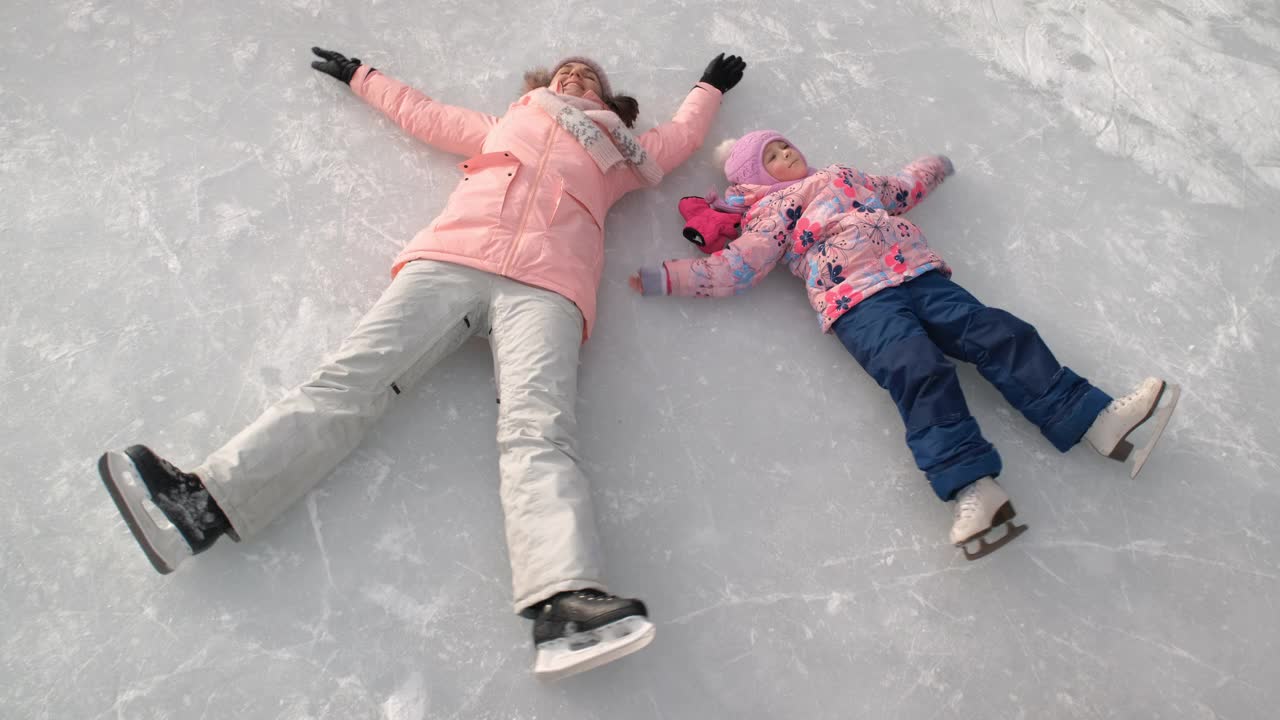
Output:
(595, 67)
(745, 164)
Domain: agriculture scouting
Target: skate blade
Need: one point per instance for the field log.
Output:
(165, 548)
(1004, 515)
(1162, 416)
(563, 658)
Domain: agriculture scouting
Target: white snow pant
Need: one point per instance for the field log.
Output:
(427, 312)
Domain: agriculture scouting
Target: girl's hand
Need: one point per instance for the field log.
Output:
(336, 64)
(634, 282)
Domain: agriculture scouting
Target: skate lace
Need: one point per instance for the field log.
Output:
(967, 504)
(187, 481)
(1117, 405)
(1121, 403)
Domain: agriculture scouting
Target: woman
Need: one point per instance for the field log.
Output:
(516, 255)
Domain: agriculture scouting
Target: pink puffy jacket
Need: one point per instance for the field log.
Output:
(531, 203)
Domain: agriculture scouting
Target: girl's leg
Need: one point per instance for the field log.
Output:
(551, 532)
(1011, 355)
(884, 335)
(426, 313)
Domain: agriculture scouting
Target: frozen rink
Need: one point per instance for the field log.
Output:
(191, 217)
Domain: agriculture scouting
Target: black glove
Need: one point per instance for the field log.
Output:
(336, 64)
(724, 72)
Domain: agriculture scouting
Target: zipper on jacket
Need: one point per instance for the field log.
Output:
(524, 219)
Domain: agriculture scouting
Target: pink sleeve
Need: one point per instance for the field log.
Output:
(899, 193)
(731, 271)
(672, 142)
(452, 129)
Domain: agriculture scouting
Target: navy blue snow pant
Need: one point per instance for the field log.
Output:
(901, 337)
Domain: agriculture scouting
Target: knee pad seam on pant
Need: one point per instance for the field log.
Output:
(948, 419)
(1019, 329)
(918, 352)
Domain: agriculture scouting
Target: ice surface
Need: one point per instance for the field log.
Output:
(192, 217)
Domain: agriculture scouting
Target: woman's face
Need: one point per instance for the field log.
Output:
(576, 79)
(784, 162)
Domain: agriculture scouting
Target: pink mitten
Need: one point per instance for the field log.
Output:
(710, 229)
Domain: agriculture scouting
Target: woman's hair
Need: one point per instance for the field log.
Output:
(626, 107)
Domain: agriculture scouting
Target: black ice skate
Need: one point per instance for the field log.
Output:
(576, 631)
(195, 520)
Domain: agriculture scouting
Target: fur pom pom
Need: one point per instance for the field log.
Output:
(536, 78)
(721, 154)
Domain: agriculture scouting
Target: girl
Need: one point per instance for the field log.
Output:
(889, 299)
(516, 255)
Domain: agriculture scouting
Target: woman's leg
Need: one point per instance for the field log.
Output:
(551, 532)
(425, 314)
(551, 529)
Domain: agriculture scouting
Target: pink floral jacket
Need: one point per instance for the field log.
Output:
(840, 230)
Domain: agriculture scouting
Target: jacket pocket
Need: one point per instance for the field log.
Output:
(480, 196)
(592, 200)
(579, 234)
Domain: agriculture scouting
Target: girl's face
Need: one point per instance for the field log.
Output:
(575, 79)
(784, 162)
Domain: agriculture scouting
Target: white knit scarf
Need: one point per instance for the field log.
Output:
(582, 119)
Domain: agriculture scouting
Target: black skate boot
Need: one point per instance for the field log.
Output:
(197, 521)
(577, 631)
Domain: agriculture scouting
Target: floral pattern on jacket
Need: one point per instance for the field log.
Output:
(840, 230)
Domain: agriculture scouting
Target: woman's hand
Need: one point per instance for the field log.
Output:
(336, 64)
(634, 282)
(724, 72)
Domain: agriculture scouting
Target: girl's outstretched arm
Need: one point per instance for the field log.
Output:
(731, 271)
(899, 193)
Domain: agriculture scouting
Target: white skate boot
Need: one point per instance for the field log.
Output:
(1109, 432)
(980, 507)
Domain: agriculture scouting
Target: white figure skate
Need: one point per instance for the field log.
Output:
(979, 508)
(1110, 431)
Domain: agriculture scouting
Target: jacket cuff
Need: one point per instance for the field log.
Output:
(362, 73)
(655, 281)
(709, 88)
